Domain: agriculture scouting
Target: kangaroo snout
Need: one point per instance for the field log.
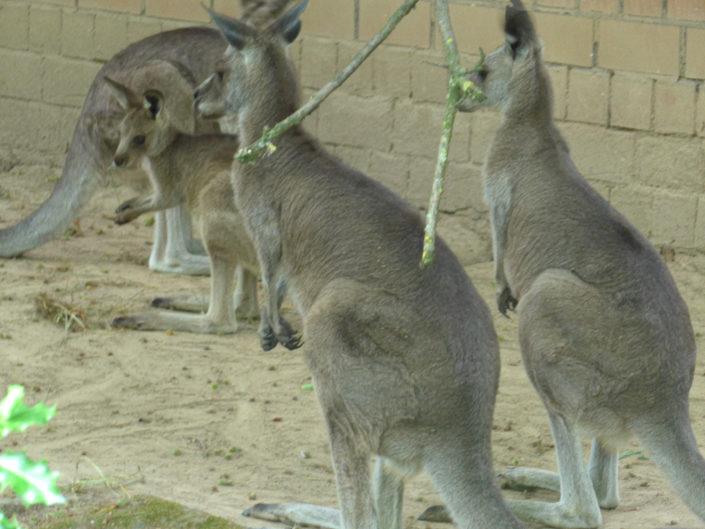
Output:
(120, 161)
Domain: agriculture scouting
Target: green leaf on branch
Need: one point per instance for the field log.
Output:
(16, 416)
(32, 482)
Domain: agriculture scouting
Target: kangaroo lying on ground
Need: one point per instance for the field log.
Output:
(194, 171)
(95, 140)
(605, 337)
(404, 361)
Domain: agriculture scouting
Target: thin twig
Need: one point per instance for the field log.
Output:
(458, 89)
(253, 152)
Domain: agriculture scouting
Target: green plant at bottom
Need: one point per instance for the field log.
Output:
(33, 482)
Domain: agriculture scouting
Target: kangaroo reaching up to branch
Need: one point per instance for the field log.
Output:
(605, 337)
(193, 170)
(94, 141)
(404, 361)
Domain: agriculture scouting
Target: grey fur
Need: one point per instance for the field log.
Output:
(404, 361)
(605, 337)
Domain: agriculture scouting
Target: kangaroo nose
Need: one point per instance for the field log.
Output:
(120, 161)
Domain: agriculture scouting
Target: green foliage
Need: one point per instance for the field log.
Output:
(32, 482)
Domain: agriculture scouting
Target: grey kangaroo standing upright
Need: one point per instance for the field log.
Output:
(95, 139)
(193, 170)
(404, 361)
(605, 337)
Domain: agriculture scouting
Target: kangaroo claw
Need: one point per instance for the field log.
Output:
(505, 301)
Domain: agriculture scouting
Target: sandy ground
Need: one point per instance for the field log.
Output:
(212, 421)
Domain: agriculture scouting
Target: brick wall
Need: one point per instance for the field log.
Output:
(627, 76)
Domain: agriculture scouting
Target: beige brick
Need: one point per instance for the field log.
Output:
(123, 6)
(700, 113)
(332, 18)
(429, 77)
(695, 53)
(318, 61)
(20, 74)
(14, 26)
(391, 71)
(700, 224)
(567, 39)
(644, 8)
(674, 219)
(140, 28)
(417, 131)
(66, 81)
(356, 121)
(668, 161)
(110, 36)
(45, 29)
(421, 172)
(463, 188)
(559, 84)
(392, 170)
(601, 6)
(417, 128)
(66, 3)
(178, 9)
(33, 126)
(588, 96)
(414, 29)
(674, 107)
(687, 9)
(356, 157)
(468, 236)
(636, 204)
(484, 127)
(359, 82)
(564, 4)
(630, 104)
(632, 46)
(476, 27)
(601, 154)
(77, 34)
(228, 8)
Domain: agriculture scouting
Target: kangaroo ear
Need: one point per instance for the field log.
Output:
(289, 24)
(518, 28)
(125, 97)
(235, 32)
(154, 102)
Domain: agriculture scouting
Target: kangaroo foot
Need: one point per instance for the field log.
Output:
(436, 513)
(505, 301)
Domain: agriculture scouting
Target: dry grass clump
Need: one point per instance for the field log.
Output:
(65, 315)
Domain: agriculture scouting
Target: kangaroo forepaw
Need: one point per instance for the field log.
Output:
(290, 342)
(505, 301)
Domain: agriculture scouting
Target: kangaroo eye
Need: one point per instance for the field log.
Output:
(138, 140)
(220, 74)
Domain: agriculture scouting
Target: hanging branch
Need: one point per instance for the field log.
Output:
(253, 152)
(459, 87)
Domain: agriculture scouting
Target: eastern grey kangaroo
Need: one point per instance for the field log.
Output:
(404, 360)
(95, 139)
(193, 170)
(605, 337)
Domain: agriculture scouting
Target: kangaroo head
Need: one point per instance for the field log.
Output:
(510, 75)
(142, 128)
(156, 102)
(255, 63)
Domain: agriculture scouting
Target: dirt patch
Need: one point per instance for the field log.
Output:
(212, 422)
